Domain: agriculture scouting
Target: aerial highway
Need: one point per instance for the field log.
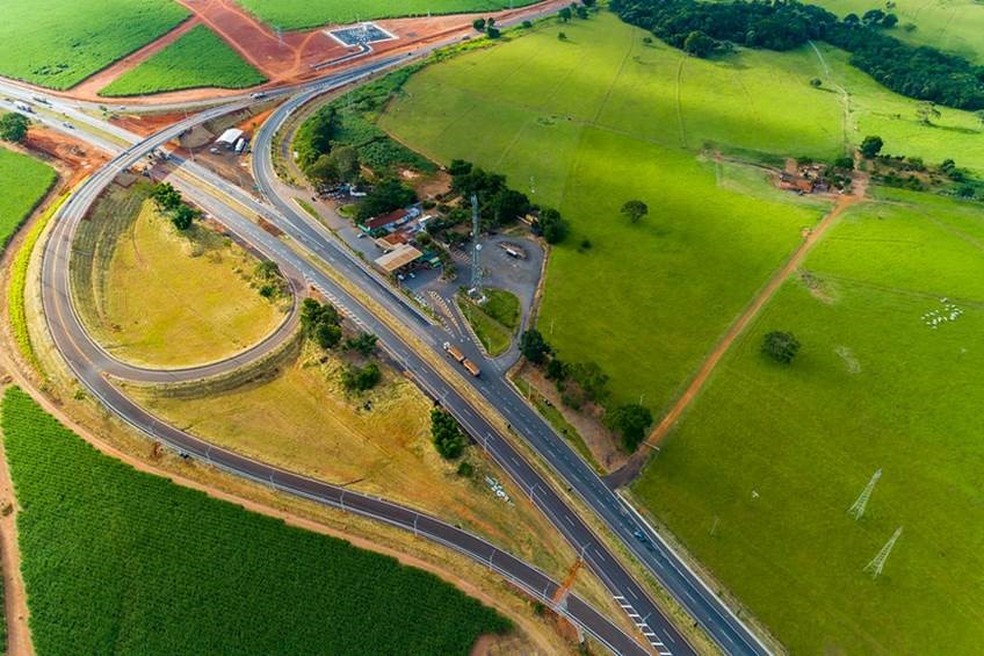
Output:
(90, 364)
(89, 361)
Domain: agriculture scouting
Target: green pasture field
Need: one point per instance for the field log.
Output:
(199, 58)
(585, 125)
(758, 477)
(57, 45)
(953, 25)
(874, 110)
(122, 562)
(300, 14)
(23, 183)
(495, 337)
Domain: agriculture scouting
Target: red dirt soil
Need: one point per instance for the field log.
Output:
(73, 158)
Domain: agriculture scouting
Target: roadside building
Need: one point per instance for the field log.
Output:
(398, 260)
(229, 138)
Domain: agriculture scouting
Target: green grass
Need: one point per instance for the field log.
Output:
(298, 14)
(24, 181)
(873, 387)
(200, 58)
(953, 25)
(57, 45)
(591, 123)
(495, 337)
(957, 134)
(120, 562)
(502, 306)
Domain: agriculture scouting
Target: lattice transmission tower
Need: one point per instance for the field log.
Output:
(877, 563)
(476, 272)
(857, 508)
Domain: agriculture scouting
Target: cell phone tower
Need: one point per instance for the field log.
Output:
(857, 509)
(877, 563)
(476, 272)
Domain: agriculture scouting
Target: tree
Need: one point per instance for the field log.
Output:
(890, 21)
(388, 195)
(699, 44)
(781, 346)
(582, 12)
(816, 83)
(562, 36)
(361, 379)
(871, 146)
(322, 171)
(926, 111)
(449, 440)
(565, 15)
(631, 423)
(13, 127)
(479, 24)
(364, 343)
(459, 167)
(184, 216)
(166, 198)
(507, 205)
(556, 370)
(551, 225)
(493, 32)
(634, 210)
(327, 335)
(589, 3)
(533, 347)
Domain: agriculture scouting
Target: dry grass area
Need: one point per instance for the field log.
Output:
(377, 443)
(172, 299)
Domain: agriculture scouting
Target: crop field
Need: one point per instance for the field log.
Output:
(383, 450)
(118, 561)
(587, 124)
(953, 25)
(46, 42)
(23, 182)
(151, 295)
(758, 478)
(199, 58)
(299, 14)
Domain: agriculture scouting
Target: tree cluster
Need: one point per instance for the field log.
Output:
(390, 194)
(13, 127)
(449, 440)
(585, 382)
(499, 205)
(168, 201)
(321, 323)
(707, 28)
(487, 25)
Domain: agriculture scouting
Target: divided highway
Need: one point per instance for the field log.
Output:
(89, 362)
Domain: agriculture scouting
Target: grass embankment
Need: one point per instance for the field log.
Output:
(599, 119)
(117, 561)
(378, 443)
(153, 295)
(57, 46)
(199, 58)
(494, 321)
(298, 14)
(758, 478)
(23, 183)
(556, 419)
